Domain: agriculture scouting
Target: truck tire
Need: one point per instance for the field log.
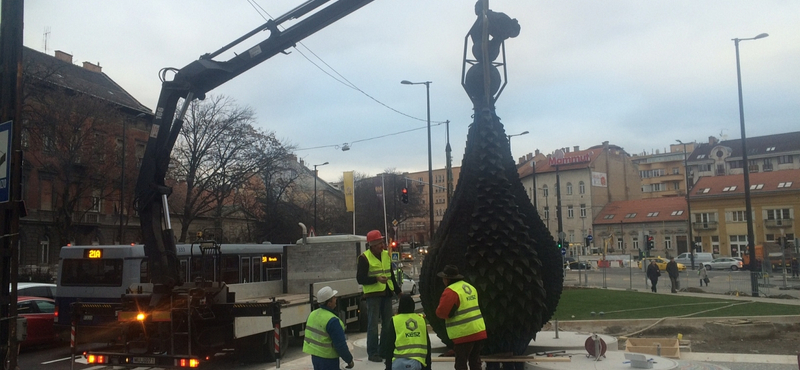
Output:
(363, 323)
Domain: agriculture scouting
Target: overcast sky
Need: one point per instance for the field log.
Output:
(638, 74)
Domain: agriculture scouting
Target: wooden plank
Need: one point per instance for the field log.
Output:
(510, 359)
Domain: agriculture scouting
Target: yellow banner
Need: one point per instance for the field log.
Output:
(349, 192)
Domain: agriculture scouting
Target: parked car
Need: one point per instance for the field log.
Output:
(39, 313)
(409, 286)
(661, 263)
(700, 258)
(724, 263)
(572, 264)
(36, 290)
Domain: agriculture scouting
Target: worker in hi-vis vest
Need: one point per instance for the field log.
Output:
(406, 345)
(324, 335)
(378, 283)
(461, 312)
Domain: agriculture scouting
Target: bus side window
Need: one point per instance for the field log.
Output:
(230, 269)
(245, 270)
(184, 270)
(144, 275)
(256, 269)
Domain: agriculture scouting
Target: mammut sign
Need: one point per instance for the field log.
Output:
(570, 160)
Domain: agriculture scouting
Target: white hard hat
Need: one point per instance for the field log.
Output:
(325, 294)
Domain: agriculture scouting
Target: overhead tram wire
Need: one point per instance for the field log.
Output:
(341, 79)
(370, 138)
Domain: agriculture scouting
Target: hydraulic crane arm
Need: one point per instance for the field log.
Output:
(193, 82)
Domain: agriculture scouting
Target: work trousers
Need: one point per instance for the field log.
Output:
(378, 308)
(468, 354)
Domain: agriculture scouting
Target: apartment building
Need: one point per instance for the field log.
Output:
(589, 179)
(664, 174)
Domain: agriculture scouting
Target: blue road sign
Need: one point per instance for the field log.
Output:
(563, 251)
(5, 158)
(589, 238)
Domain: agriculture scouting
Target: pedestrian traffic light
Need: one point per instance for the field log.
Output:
(404, 196)
(560, 243)
(650, 242)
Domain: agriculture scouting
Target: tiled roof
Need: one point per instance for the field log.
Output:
(543, 166)
(68, 75)
(782, 143)
(760, 182)
(643, 211)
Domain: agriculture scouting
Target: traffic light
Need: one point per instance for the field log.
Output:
(651, 244)
(404, 195)
(560, 243)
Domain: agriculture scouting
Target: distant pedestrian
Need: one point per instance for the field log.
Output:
(703, 274)
(672, 271)
(653, 274)
(795, 268)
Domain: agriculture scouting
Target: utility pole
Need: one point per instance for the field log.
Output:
(11, 206)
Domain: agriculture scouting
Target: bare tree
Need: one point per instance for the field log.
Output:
(72, 139)
(215, 129)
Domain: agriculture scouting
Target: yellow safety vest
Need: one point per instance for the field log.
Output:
(468, 319)
(379, 267)
(412, 337)
(317, 341)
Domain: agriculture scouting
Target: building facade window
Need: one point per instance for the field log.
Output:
(715, 244)
(737, 216)
(779, 214)
(668, 242)
(738, 245)
(784, 159)
(569, 188)
(582, 187)
(583, 210)
(545, 191)
(546, 213)
(570, 212)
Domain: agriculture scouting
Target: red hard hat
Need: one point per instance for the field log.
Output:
(374, 235)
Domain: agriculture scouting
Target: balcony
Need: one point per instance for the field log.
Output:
(707, 225)
(778, 222)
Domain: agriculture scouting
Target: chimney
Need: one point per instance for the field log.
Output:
(576, 148)
(566, 150)
(64, 57)
(528, 156)
(521, 160)
(93, 67)
(302, 162)
(536, 152)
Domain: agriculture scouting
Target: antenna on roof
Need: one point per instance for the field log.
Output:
(722, 136)
(45, 36)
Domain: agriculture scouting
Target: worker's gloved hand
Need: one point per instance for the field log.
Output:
(350, 365)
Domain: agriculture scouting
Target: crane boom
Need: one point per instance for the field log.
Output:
(192, 82)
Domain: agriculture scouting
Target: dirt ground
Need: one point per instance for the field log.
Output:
(728, 336)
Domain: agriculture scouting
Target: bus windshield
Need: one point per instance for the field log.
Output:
(92, 272)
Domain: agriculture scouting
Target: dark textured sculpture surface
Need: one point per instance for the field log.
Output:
(491, 231)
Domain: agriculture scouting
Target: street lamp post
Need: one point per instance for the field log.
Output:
(746, 167)
(430, 160)
(688, 205)
(315, 194)
(510, 136)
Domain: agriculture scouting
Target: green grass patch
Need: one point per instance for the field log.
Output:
(579, 303)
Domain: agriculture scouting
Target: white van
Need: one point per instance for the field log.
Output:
(699, 258)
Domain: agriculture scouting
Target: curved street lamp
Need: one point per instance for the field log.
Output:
(315, 194)
(430, 161)
(746, 167)
(519, 134)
